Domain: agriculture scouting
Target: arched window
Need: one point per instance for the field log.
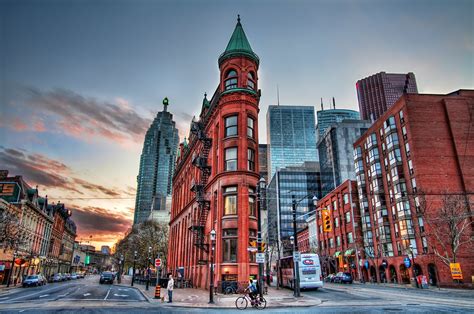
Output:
(231, 80)
(250, 81)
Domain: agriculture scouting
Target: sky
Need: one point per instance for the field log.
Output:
(81, 81)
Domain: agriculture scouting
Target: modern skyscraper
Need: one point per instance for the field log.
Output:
(291, 136)
(216, 177)
(156, 168)
(336, 149)
(380, 91)
(296, 182)
(327, 117)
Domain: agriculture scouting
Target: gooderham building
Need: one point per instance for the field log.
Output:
(217, 171)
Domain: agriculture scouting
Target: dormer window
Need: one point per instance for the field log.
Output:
(250, 81)
(231, 80)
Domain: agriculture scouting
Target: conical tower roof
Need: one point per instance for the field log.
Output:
(238, 45)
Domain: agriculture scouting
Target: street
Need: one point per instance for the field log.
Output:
(88, 296)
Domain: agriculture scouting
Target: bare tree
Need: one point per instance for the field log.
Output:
(448, 223)
(10, 230)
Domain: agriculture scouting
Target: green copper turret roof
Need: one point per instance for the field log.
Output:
(238, 45)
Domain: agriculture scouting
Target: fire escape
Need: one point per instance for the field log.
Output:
(200, 161)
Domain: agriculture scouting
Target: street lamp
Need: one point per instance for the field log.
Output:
(260, 187)
(296, 276)
(134, 261)
(212, 235)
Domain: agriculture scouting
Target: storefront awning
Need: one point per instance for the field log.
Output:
(337, 254)
(349, 252)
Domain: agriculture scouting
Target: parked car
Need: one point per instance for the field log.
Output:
(34, 280)
(55, 278)
(330, 278)
(68, 276)
(106, 277)
(342, 277)
(73, 276)
(81, 274)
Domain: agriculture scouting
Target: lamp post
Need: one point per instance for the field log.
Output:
(296, 292)
(148, 269)
(260, 188)
(212, 235)
(134, 261)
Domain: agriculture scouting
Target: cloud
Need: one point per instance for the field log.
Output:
(82, 117)
(99, 222)
(41, 170)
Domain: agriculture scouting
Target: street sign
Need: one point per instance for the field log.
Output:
(260, 258)
(252, 249)
(407, 262)
(158, 262)
(297, 256)
(456, 272)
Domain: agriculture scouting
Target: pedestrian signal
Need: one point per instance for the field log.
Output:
(327, 227)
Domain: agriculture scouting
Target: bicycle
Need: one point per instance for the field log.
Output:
(242, 302)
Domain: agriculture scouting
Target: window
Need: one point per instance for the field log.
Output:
(421, 225)
(252, 203)
(407, 149)
(230, 200)
(338, 241)
(231, 159)
(229, 239)
(231, 80)
(336, 222)
(350, 239)
(348, 217)
(250, 128)
(251, 159)
(231, 126)
(252, 237)
(346, 198)
(331, 242)
(250, 81)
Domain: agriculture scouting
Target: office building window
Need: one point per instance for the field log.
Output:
(230, 200)
(229, 252)
(251, 159)
(231, 159)
(231, 126)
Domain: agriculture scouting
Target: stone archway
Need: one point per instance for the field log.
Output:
(432, 273)
(417, 270)
(392, 274)
(404, 274)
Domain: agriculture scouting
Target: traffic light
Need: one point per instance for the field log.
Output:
(327, 227)
(253, 243)
(264, 247)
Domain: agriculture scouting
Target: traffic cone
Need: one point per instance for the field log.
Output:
(157, 292)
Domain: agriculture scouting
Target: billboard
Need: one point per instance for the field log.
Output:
(10, 191)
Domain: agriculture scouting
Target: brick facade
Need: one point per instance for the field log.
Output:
(414, 155)
(222, 198)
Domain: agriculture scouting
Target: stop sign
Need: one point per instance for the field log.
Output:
(158, 262)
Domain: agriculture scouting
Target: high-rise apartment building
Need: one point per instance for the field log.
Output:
(298, 183)
(216, 177)
(330, 116)
(291, 136)
(336, 149)
(156, 169)
(380, 91)
(415, 170)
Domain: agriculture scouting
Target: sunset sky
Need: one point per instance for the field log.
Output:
(80, 81)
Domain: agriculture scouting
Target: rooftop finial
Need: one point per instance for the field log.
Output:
(165, 103)
(238, 18)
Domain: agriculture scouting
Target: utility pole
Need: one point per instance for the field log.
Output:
(260, 187)
(296, 262)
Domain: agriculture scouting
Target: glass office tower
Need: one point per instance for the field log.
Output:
(291, 136)
(156, 169)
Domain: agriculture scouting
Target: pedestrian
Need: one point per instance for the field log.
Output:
(180, 280)
(170, 288)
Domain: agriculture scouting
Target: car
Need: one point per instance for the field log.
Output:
(330, 278)
(343, 277)
(106, 277)
(74, 276)
(81, 274)
(34, 280)
(55, 278)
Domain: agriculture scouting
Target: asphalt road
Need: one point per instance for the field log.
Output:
(80, 290)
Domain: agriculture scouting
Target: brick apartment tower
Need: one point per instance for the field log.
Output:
(421, 148)
(380, 91)
(214, 185)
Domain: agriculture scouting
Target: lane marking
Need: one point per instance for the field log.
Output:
(107, 294)
(29, 295)
(120, 295)
(86, 294)
(44, 295)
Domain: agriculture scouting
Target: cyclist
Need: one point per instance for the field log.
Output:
(252, 289)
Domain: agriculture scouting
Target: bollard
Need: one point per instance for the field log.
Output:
(157, 292)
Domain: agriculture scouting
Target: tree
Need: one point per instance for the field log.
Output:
(149, 239)
(10, 230)
(448, 224)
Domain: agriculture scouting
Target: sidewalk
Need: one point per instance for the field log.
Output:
(193, 297)
(5, 290)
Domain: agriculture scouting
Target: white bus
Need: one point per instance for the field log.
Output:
(309, 269)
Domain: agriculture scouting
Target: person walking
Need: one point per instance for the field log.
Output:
(170, 288)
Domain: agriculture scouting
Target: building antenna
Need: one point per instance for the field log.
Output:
(278, 96)
(334, 103)
(322, 106)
